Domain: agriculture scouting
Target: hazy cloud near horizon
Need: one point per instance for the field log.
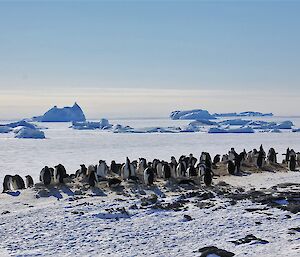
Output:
(118, 103)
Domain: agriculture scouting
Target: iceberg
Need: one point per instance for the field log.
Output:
(236, 122)
(65, 114)
(243, 114)
(30, 133)
(197, 114)
(5, 129)
(21, 123)
(90, 125)
(296, 130)
(229, 130)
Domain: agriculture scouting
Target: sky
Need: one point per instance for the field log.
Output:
(148, 58)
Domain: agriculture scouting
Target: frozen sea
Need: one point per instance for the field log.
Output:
(74, 147)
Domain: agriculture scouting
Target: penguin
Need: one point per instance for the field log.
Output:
(7, 183)
(60, 173)
(208, 175)
(128, 170)
(260, 157)
(230, 167)
(19, 182)
(45, 176)
(216, 159)
(149, 176)
(191, 171)
(272, 156)
(159, 171)
(142, 165)
(52, 175)
(113, 182)
(166, 170)
(192, 160)
(29, 181)
(181, 169)
(102, 170)
(287, 155)
(292, 160)
(92, 175)
(82, 172)
(115, 167)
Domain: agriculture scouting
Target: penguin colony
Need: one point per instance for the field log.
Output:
(185, 170)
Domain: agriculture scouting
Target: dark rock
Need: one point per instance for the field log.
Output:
(187, 217)
(5, 212)
(206, 251)
(250, 239)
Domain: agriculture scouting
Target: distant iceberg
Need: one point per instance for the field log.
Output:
(197, 114)
(21, 123)
(229, 130)
(30, 133)
(243, 114)
(5, 129)
(90, 125)
(65, 114)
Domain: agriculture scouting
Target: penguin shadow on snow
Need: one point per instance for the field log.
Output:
(48, 191)
(96, 191)
(156, 190)
(51, 190)
(13, 193)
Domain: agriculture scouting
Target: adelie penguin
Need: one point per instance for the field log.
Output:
(45, 176)
(149, 176)
(92, 175)
(60, 173)
(208, 176)
(7, 183)
(292, 161)
(230, 167)
(29, 181)
(166, 170)
(261, 157)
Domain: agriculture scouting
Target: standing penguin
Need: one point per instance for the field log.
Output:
(128, 171)
(60, 173)
(272, 158)
(7, 183)
(19, 182)
(102, 170)
(230, 167)
(45, 176)
(216, 159)
(29, 181)
(166, 170)
(261, 157)
(149, 175)
(191, 171)
(292, 160)
(208, 175)
(92, 175)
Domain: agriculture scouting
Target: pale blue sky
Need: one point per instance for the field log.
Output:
(221, 46)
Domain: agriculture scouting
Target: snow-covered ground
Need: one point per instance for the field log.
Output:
(95, 223)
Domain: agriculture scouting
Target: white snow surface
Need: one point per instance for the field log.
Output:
(48, 226)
